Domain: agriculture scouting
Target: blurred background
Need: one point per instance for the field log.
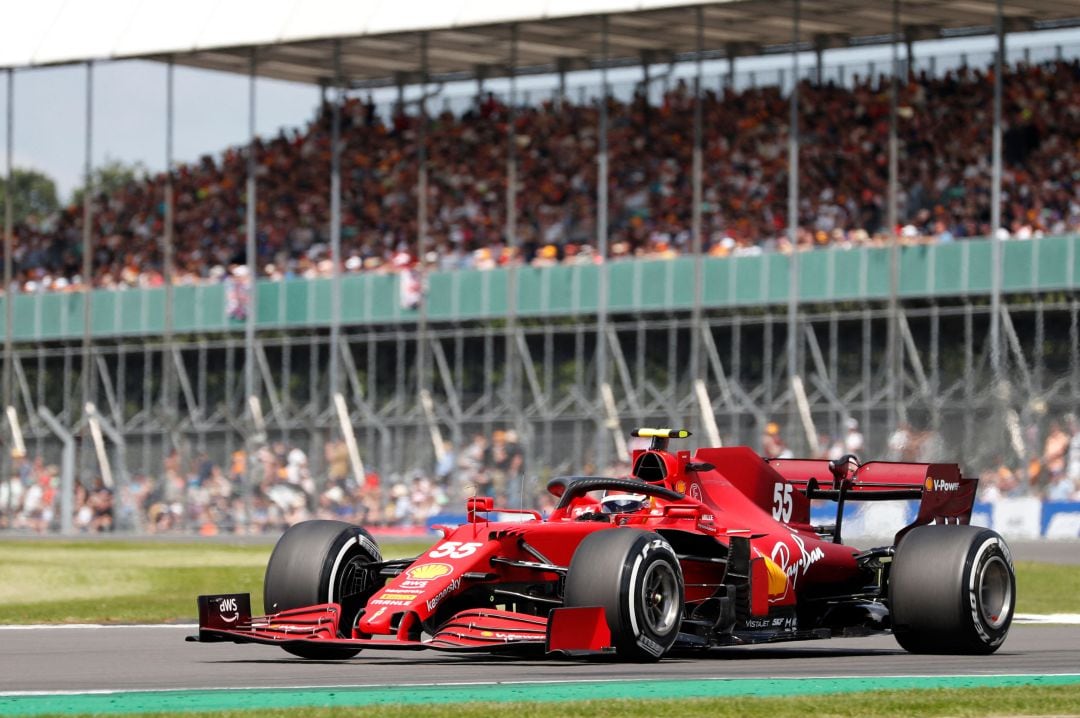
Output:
(265, 262)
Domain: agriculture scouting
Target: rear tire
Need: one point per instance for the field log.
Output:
(636, 577)
(952, 589)
(322, 562)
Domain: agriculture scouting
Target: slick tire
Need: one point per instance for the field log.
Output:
(952, 589)
(322, 562)
(636, 577)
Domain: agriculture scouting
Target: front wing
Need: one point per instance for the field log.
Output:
(227, 618)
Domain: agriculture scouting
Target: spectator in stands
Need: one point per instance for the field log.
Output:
(1052, 462)
(472, 465)
(899, 441)
(772, 445)
(38, 508)
(999, 482)
(1072, 464)
(11, 500)
(1062, 488)
(853, 440)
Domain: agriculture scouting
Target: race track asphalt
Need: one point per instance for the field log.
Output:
(157, 657)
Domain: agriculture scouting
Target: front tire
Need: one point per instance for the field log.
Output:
(636, 577)
(952, 589)
(322, 562)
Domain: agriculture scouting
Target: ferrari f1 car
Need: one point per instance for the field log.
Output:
(696, 549)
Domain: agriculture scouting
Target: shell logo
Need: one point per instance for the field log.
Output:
(486, 634)
(429, 571)
(929, 484)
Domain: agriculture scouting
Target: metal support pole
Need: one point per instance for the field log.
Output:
(603, 440)
(249, 323)
(168, 391)
(894, 91)
(335, 227)
(9, 249)
(67, 468)
(793, 210)
(645, 79)
(421, 141)
(511, 149)
(88, 264)
(995, 206)
(697, 241)
(513, 393)
(893, 341)
(422, 383)
(562, 65)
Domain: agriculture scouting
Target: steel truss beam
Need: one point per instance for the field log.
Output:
(944, 382)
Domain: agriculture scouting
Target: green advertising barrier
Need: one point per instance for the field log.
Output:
(634, 286)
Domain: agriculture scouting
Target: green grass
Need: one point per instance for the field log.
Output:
(1047, 588)
(1026, 701)
(115, 582)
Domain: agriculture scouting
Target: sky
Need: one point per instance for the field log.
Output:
(211, 108)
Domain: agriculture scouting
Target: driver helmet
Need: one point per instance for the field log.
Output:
(622, 503)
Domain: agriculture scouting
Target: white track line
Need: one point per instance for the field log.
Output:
(1068, 618)
(68, 626)
(546, 682)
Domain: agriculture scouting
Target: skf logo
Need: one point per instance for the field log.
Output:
(940, 485)
(429, 571)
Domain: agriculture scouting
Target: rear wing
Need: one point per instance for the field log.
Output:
(945, 497)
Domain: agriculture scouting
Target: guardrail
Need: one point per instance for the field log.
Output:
(635, 286)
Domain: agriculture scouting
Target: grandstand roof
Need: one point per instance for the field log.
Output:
(381, 39)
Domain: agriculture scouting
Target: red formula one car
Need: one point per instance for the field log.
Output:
(697, 549)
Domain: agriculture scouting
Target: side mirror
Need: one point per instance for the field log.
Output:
(479, 504)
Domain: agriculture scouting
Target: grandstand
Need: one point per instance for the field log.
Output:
(966, 343)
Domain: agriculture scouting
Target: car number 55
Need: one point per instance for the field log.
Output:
(455, 549)
(782, 505)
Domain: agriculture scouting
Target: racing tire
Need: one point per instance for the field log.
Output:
(636, 577)
(952, 589)
(318, 562)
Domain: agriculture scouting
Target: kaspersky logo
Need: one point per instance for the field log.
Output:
(429, 571)
(941, 485)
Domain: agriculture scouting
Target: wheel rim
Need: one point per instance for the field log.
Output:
(995, 592)
(355, 577)
(660, 598)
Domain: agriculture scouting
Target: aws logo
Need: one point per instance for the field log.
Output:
(940, 485)
(429, 571)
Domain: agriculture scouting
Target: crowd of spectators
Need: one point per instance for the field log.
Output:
(199, 495)
(945, 139)
(202, 496)
(1053, 474)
